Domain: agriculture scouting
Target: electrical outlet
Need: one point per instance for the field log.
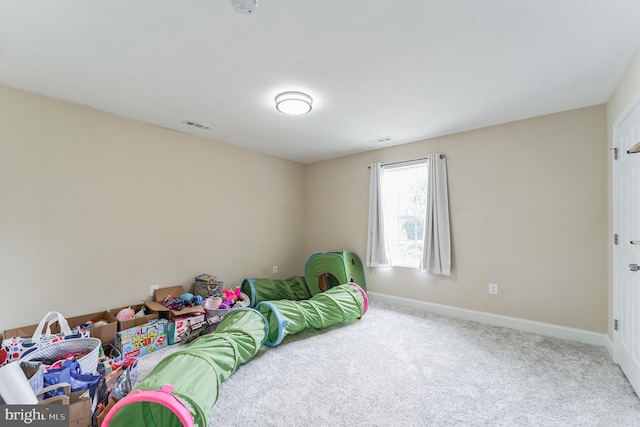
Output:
(493, 288)
(275, 269)
(153, 288)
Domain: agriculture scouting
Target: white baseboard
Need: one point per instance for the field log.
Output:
(609, 345)
(539, 328)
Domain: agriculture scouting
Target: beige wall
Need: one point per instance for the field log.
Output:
(94, 208)
(628, 91)
(528, 211)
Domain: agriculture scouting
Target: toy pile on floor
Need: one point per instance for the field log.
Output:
(216, 302)
(69, 368)
(176, 393)
(92, 367)
(183, 316)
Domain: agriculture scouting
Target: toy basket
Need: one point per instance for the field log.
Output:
(206, 289)
(210, 307)
(58, 350)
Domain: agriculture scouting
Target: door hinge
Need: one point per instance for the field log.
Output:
(615, 324)
(615, 239)
(615, 152)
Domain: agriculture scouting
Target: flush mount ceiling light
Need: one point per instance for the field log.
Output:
(293, 103)
(246, 7)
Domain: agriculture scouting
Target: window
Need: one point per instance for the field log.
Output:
(405, 195)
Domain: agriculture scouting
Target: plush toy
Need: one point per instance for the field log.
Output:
(231, 298)
(173, 303)
(186, 297)
(229, 295)
(197, 300)
(125, 314)
(140, 313)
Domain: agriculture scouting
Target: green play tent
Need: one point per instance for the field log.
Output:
(325, 270)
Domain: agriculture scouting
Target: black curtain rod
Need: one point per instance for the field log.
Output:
(442, 156)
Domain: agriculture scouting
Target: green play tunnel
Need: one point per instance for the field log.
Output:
(338, 304)
(184, 386)
(294, 288)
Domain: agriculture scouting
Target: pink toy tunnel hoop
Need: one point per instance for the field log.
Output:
(162, 397)
(364, 296)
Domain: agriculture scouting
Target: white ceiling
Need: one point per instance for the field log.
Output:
(407, 70)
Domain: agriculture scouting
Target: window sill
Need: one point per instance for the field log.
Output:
(405, 266)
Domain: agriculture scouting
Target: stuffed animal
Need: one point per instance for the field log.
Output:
(229, 295)
(186, 297)
(125, 314)
(197, 300)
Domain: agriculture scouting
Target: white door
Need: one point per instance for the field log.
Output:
(626, 254)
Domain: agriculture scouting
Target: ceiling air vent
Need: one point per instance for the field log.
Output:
(381, 140)
(196, 124)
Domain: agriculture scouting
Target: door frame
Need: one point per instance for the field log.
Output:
(615, 194)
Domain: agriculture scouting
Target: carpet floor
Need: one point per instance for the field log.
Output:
(404, 367)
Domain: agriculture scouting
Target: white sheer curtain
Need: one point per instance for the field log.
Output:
(436, 252)
(377, 248)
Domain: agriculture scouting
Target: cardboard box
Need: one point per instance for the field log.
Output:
(141, 340)
(27, 331)
(164, 313)
(79, 404)
(127, 324)
(179, 325)
(104, 333)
